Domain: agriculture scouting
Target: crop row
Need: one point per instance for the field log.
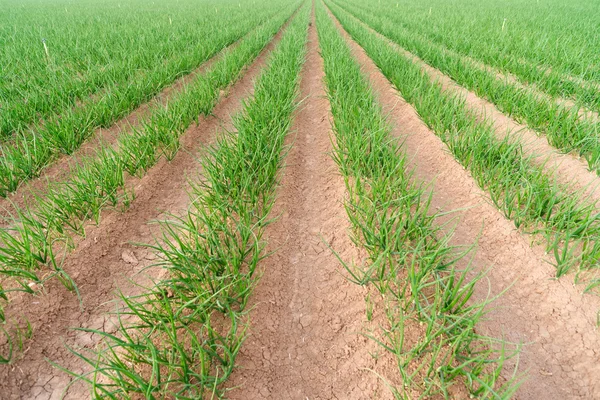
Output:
(549, 82)
(409, 259)
(27, 153)
(523, 191)
(73, 52)
(561, 125)
(515, 36)
(180, 338)
(507, 50)
(39, 233)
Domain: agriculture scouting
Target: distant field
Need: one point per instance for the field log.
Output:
(299, 199)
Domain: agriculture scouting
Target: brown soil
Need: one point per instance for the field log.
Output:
(106, 261)
(554, 321)
(304, 333)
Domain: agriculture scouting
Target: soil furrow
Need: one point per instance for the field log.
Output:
(107, 261)
(567, 168)
(304, 338)
(554, 321)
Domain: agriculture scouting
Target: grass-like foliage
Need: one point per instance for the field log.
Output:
(39, 236)
(65, 126)
(180, 337)
(562, 125)
(534, 41)
(525, 192)
(410, 260)
(74, 53)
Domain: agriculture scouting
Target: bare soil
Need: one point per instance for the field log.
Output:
(108, 261)
(305, 327)
(553, 320)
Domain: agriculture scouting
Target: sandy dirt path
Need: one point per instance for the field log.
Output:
(303, 340)
(107, 261)
(551, 317)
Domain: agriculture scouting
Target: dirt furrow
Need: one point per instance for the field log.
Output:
(567, 168)
(304, 329)
(107, 260)
(554, 321)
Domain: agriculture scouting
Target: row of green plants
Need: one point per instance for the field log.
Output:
(543, 81)
(525, 192)
(562, 125)
(410, 262)
(28, 152)
(40, 236)
(56, 55)
(451, 34)
(560, 39)
(180, 337)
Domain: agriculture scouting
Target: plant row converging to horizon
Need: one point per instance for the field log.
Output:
(410, 261)
(188, 328)
(42, 233)
(26, 153)
(525, 192)
(179, 337)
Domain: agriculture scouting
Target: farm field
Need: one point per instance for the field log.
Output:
(299, 199)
